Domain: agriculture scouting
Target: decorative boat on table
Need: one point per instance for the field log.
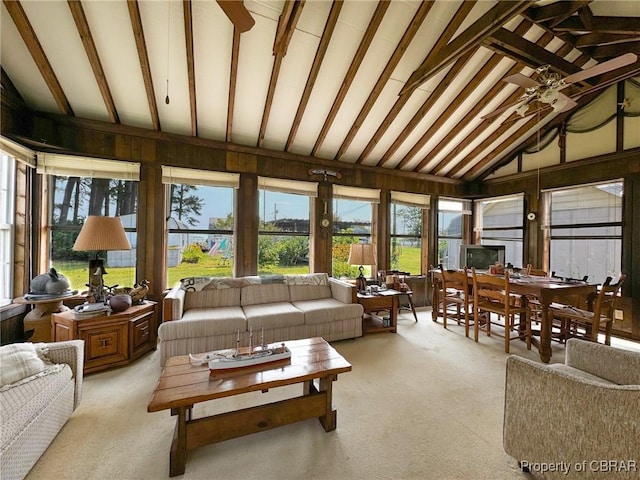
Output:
(243, 357)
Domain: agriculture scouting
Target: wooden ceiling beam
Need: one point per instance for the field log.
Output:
(143, 56)
(191, 73)
(494, 19)
(583, 98)
(401, 48)
(586, 17)
(557, 11)
(521, 50)
(363, 48)
(327, 33)
(32, 43)
(443, 85)
(82, 25)
(471, 116)
(402, 99)
(286, 26)
(607, 52)
(601, 39)
(233, 80)
(600, 24)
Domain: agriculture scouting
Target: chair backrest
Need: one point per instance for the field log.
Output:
(492, 288)
(605, 302)
(456, 280)
(536, 272)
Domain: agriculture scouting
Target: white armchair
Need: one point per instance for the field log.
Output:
(580, 419)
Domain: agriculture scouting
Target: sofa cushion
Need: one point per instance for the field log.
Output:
(273, 315)
(19, 405)
(327, 310)
(227, 297)
(308, 292)
(264, 293)
(203, 322)
(19, 361)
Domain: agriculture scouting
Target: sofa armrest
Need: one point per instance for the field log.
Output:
(552, 415)
(173, 304)
(70, 352)
(613, 364)
(342, 291)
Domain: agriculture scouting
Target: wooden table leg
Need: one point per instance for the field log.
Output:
(329, 419)
(545, 334)
(178, 454)
(394, 313)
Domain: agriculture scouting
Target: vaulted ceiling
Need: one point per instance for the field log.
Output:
(400, 85)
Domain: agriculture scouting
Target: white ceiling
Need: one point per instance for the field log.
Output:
(164, 33)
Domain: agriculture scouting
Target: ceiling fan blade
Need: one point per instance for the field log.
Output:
(498, 111)
(520, 79)
(614, 63)
(238, 14)
(567, 103)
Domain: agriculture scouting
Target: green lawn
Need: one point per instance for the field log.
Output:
(78, 272)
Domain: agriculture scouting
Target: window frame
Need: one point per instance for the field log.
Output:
(7, 227)
(411, 201)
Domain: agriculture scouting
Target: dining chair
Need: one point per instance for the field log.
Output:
(587, 323)
(536, 272)
(456, 294)
(491, 295)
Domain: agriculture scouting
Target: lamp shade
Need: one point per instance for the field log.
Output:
(362, 254)
(102, 233)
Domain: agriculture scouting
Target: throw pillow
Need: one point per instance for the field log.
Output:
(19, 361)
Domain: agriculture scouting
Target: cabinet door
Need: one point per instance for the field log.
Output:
(105, 346)
(140, 335)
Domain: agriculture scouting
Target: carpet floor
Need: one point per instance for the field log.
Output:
(425, 403)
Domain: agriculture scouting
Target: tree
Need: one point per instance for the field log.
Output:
(184, 204)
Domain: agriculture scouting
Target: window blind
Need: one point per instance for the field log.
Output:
(411, 199)
(288, 186)
(74, 166)
(17, 151)
(356, 193)
(192, 176)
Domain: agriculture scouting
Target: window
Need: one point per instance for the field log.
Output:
(352, 223)
(406, 231)
(584, 230)
(283, 239)
(199, 223)
(80, 187)
(7, 203)
(451, 229)
(500, 221)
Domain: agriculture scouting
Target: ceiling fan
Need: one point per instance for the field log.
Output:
(238, 14)
(545, 86)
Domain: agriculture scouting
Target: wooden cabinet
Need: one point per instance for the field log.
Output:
(110, 340)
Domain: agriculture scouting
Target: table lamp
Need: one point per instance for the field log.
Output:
(100, 234)
(362, 254)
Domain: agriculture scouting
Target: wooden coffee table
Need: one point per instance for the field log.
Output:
(182, 385)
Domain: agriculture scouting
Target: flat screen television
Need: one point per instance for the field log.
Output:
(481, 256)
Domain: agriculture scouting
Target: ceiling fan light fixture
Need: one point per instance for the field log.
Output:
(522, 110)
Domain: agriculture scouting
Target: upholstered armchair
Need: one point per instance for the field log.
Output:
(571, 417)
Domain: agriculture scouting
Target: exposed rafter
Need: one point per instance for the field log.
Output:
(37, 53)
(327, 33)
(143, 56)
(376, 19)
(467, 40)
(191, 73)
(92, 54)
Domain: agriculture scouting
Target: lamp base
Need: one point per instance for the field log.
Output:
(96, 281)
(361, 282)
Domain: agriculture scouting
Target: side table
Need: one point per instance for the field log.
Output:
(110, 340)
(384, 300)
(39, 319)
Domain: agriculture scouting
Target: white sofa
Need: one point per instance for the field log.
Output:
(35, 408)
(202, 314)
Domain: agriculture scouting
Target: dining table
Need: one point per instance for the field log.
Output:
(545, 289)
